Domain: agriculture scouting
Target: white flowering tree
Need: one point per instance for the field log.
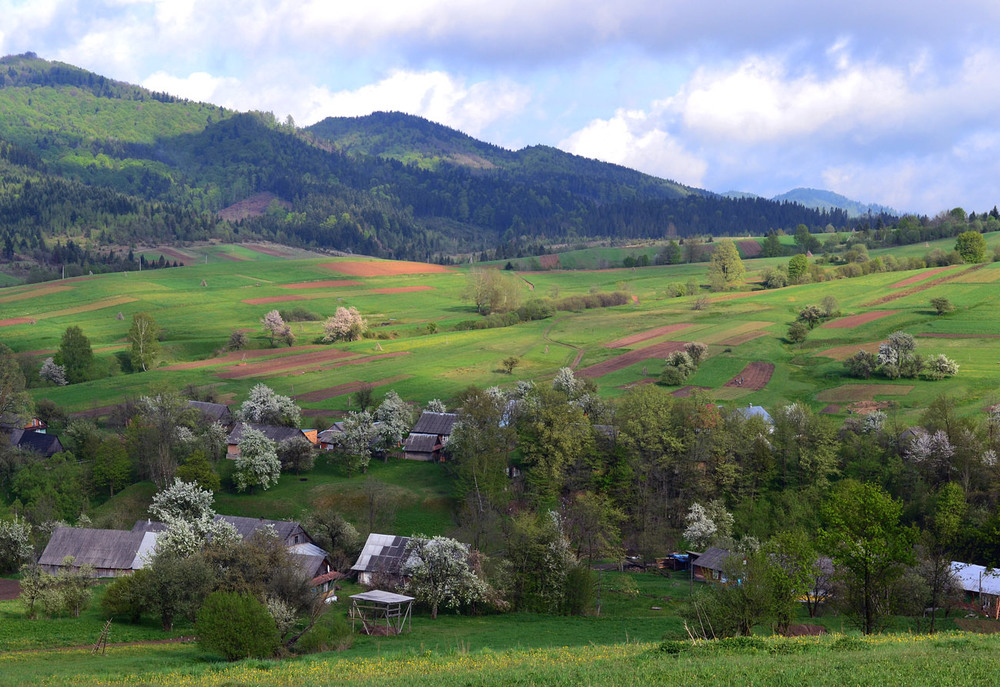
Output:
(360, 433)
(436, 405)
(940, 366)
(186, 509)
(346, 324)
(706, 524)
(265, 407)
(566, 382)
(274, 325)
(394, 419)
(52, 372)
(440, 574)
(258, 464)
(15, 544)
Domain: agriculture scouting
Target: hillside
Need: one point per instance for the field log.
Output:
(388, 185)
(826, 200)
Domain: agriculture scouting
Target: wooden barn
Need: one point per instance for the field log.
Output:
(381, 560)
(111, 552)
(429, 436)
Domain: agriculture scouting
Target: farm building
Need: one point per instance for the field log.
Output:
(708, 566)
(982, 584)
(45, 445)
(111, 552)
(757, 411)
(275, 433)
(214, 412)
(429, 436)
(328, 437)
(381, 560)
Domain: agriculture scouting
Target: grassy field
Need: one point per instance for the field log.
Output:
(619, 647)
(197, 319)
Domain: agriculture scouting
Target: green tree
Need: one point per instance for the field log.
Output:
(142, 336)
(971, 246)
(949, 507)
(804, 240)
(797, 332)
(237, 626)
(798, 266)
(772, 247)
(493, 290)
(75, 355)
(941, 305)
(726, 269)
(198, 470)
(112, 467)
(14, 402)
(863, 535)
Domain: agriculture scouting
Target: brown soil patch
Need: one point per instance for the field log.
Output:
(236, 356)
(743, 338)
(549, 262)
(230, 257)
(858, 320)
(735, 331)
(862, 392)
(327, 284)
(627, 341)
(985, 276)
(98, 305)
(35, 293)
(938, 335)
(253, 206)
(660, 350)
(923, 286)
(272, 299)
(288, 362)
(866, 407)
(909, 281)
(343, 389)
(749, 249)
(688, 391)
(383, 268)
(276, 367)
(842, 353)
(403, 289)
(9, 589)
(754, 376)
(16, 320)
(832, 409)
(641, 382)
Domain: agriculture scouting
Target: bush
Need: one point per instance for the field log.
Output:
(330, 633)
(579, 590)
(125, 596)
(861, 365)
(236, 626)
(942, 306)
(299, 314)
(797, 332)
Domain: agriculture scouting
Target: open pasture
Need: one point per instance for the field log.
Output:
(400, 301)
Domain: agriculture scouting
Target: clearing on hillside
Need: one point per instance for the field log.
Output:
(857, 320)
(862, 392)
(754, 376)
(627, 341)
(383, 268)
(660, 350)
(182, 258)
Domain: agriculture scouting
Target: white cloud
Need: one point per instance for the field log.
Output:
(200, 86)
(632, 139)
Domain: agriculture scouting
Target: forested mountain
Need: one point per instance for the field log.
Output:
(825, 200)
(86, 156)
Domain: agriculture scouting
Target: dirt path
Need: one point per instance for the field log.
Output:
(579, 351)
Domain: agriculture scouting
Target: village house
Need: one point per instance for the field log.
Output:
(45, 445)
(429, 436)
(981, 585)
(111, 552)
(707, 566)
(380, 562)
(214, 412)
(275, 433)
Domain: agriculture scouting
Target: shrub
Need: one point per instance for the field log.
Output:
(299, 314)
(125, 596)
(797, 332)
(579, 590)
(940, 366)
(236, 626)
(942, 306)
(861, 365)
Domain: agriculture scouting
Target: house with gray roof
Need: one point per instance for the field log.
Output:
(275, 433)
(214, 412)
(45, 445)
(707, 566)
(111, 552)
(429, 436)
(381, 560)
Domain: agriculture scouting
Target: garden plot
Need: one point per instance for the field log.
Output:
(325, 284)
(735, 331)
(753, 377)
(910, 281)
(857, 320)
(273, 368)
(639, 337)
(343, 389)
(842, 353)
(660, 350)
(237, 356)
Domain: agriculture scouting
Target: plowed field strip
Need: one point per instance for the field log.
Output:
(326, 284)
(753, 377)
(660, 350)
(627, 341)
(380, 268)
(16, 320)
(857, 320)
(263, 370)
(922, 287)
(909, 281)
(940, 335)
(403, 289)
(342, 389)
(272, 299)
(236, 356)
(842, 353)
(34, 293)
(743, 338)
(734, 331)
(862, 392)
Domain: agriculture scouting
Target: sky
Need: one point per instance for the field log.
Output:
(883, 101)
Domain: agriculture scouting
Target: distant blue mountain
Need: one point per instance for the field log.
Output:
(818, 199)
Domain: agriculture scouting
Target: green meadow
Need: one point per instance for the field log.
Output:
(418, 353)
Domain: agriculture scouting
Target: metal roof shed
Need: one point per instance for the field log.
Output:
(381, 613)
